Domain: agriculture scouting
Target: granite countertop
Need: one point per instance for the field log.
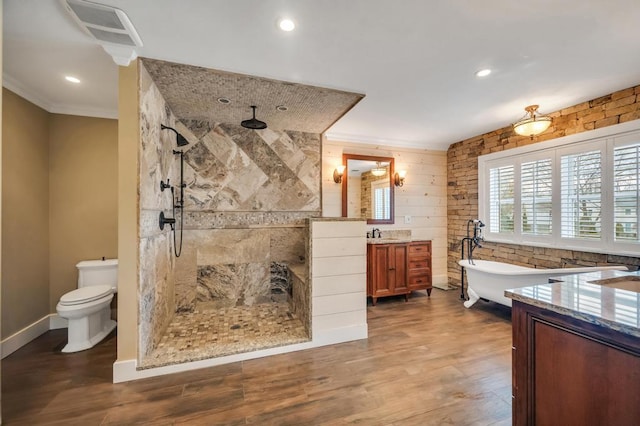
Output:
(335, 219)
(612, 304)
(392, 240)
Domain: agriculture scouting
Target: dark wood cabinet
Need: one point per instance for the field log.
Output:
(399, 268)
(568, 371)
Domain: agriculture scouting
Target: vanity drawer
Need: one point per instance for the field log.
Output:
(421, 249)
(419, 280)
(419, 263)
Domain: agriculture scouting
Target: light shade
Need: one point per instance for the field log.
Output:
(398, 178)
(532, 124)
(378, 170)
(338, 173)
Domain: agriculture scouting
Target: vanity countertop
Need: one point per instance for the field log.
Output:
(393, 240)
(607, 298)
(388, 240)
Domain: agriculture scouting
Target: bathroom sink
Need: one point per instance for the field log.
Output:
(631, 283)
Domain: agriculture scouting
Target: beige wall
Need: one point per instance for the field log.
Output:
(25, 215)
(60, 205)
(423, 196)
(128, 163)
(83, 193)
(1, 7)
(462, 170)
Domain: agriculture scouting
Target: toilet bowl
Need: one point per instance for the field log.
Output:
(88, 308)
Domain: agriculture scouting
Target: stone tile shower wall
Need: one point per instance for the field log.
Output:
(248, 196)
(462, 176)
(157, 263)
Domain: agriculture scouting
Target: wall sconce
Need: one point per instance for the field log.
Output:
(398, 178)
(337, 174)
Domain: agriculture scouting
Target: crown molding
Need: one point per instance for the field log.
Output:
(19, 89)
(84, 111)
(396, 143)
(16, 87)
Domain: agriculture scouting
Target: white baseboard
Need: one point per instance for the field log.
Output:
(441, 282)
(340, 335)
(126, 370)
(56, 322)
(24, 336)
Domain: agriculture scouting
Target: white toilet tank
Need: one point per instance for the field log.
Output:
(98, 272)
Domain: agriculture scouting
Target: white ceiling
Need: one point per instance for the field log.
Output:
(414, 59)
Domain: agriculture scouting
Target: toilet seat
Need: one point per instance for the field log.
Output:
(85, 295)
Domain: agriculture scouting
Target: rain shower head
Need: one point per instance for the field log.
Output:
(253, 123)
(180, 140)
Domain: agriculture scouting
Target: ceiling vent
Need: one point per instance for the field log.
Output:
(111, 27)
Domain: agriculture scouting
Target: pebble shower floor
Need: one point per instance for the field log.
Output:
(209, 333)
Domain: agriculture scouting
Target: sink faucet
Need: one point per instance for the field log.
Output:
(373, 233)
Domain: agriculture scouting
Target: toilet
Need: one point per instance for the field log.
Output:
(88, 308)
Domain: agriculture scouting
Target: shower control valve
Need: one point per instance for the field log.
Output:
(164, 186)
(166, 221)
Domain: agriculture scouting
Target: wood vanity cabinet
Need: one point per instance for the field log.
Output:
(399, 268)
(570, 372)
(420, 266)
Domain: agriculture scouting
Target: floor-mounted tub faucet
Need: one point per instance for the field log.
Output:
(472, 242)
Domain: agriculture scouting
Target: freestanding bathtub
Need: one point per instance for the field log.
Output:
(488, 280)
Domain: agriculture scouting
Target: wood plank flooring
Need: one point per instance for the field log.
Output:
(427, 362)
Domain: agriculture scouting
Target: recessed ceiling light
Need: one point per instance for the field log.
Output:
(72, 79)
(286, 24)
(483, 73)
(224, 101)
(282, 108)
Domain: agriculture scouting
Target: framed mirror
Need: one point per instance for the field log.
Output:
(367, 188)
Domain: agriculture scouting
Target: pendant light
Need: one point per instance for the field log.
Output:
(532, 124)
(378, 170)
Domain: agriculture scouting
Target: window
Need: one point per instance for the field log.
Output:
(578, 192)
(536, 187)
(626, 192)
(501, 186)
(581, 195)
(380, 199)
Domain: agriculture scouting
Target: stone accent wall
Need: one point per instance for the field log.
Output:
(157, 162)
(365, 192)
(462, 182)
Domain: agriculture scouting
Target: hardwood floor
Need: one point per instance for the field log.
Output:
(427, 362)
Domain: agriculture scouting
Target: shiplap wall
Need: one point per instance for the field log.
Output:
(339, 281)
(423, 196)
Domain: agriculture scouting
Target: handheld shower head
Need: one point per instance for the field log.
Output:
(180, 140)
